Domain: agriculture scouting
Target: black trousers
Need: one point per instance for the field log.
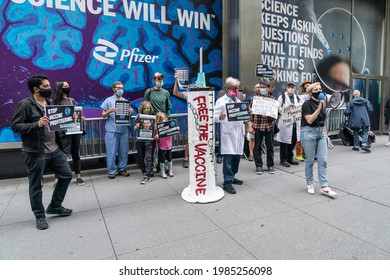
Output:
(269, 143)
(36, 164)
(71, 147)
(164, 155)
(145, 151)
(287, 150)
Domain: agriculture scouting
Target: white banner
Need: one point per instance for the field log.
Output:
(265, 106)
(202, 188)
(291, 114)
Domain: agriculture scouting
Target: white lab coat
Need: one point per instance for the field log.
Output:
(285, 133)
(232, 133)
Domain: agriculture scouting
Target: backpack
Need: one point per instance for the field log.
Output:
(284, 98)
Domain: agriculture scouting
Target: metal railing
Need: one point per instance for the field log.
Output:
(92, 144)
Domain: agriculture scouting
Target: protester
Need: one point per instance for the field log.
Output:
(41, 148)
(313, 140)
(182, 95)
(117, 136)
(290, 132)
(263, 127)
(357, 111)
(250, 136)
(164, 148)
(232, 134)
(145, 146)
(70, 143)
(303, 96)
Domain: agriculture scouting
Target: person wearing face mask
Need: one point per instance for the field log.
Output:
(159, 97)
(303, 95)
(313, 139)
(70, 143)
(117, 136)
(263, 127)
(232, 134)
(290, 132)
(41, 148)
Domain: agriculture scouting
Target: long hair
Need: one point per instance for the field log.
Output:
(143, 105)
(58, 92)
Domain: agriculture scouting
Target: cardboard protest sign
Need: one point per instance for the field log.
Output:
(265, 106)
(146, 129)
(78, 128)
(291, 114)
(237, 111)
(122, 116)
(60, 117)
(168, 128)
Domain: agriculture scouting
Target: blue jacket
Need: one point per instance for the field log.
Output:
(357, 111)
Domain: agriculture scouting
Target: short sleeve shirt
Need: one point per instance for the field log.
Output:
(110, 121)
(308, 108)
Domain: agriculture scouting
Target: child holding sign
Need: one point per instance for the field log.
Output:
(145, 146)
(164, 148)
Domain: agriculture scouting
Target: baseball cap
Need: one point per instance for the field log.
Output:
(158, 75)
(290, 84)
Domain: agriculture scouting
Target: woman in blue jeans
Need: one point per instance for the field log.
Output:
(313, 139)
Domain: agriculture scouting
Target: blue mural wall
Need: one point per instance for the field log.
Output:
(91, 45)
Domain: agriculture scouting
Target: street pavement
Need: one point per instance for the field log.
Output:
(271, 217)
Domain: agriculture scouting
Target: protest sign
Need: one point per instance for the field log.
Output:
(146, 129)
(78, 128)
(291, 114)
(265, 106)
(122, 116)
(237, 111)
(60, 117)
(168, 128)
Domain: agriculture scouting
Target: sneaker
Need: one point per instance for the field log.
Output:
(170, 173)
(310, 189)
(271, 170)
(387, 144)
(356, 149)
(299, 158)
(111, 176)
(41, 223)
(293, 162)
(219, 159)
(163, 175)
(124, 173)
(259, 170)
(366, 149)
(145, 180)
(62, 211)
(237, 182)
(229, 189)
(328, 192)
(80, 181)
(185, 163)
(250, 158)
(285, 164)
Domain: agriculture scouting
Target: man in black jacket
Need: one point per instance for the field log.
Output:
(41, 148)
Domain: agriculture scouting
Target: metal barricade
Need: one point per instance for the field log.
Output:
(92, 144)
(334, 121)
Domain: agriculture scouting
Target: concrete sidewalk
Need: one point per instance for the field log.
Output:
(270, 217)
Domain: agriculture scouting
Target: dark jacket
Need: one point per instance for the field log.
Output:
(387, 112)
(25, 122)
(357, 111)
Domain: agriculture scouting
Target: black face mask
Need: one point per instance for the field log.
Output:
(315, 94)
(66, 91)
(45, 92)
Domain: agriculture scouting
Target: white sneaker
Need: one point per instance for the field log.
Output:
(310, 189)
(328, 192)
(170, 173)
(387, 144)
(163, 175)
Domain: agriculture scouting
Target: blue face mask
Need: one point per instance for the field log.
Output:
(119, 92)
(263, 91)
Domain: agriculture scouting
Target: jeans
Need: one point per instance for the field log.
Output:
(71, 146)
(230, 168)
(313, 140)
(269, 143)
(116, 143)
(287, 150)
(36, 164)
(356, 136)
